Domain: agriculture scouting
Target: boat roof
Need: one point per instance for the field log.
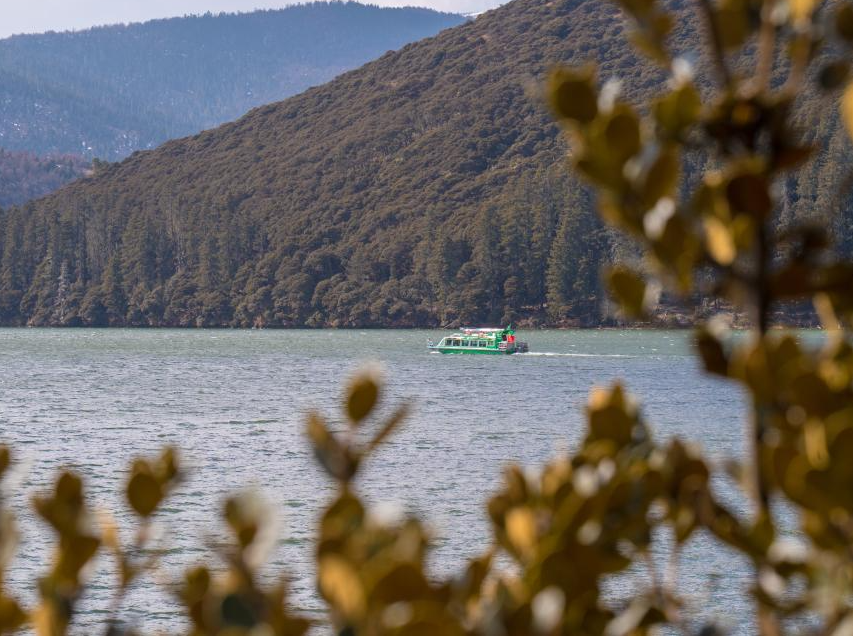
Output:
(482, 329)
(474, 334)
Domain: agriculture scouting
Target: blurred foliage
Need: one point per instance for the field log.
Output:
(601, 510)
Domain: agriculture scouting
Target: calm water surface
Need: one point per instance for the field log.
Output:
(234, 402)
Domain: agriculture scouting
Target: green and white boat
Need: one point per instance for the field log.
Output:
(482, 340)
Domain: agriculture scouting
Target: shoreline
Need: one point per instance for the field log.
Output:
(631, 327)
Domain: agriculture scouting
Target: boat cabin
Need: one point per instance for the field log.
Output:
(480, 340)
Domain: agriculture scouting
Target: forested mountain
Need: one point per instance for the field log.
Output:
(108, 91)
(25, 176)
(426, 188)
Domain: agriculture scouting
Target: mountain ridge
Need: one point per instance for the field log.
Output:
(107, 91)
(426, 188)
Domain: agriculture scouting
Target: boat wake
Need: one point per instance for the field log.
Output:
(575, 355)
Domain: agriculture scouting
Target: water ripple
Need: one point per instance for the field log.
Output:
(234, 403)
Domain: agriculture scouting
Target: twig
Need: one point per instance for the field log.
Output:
(766, 47)
(716, 42)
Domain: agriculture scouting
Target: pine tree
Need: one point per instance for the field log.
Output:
(114, 297)
(577, 254)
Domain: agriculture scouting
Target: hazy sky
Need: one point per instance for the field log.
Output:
(34, 16)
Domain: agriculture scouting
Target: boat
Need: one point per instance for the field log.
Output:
(481, 340)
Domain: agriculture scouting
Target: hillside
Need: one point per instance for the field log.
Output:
(108, 91)
(425, 188)
(25, 176)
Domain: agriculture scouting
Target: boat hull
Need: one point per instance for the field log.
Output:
(472, 351)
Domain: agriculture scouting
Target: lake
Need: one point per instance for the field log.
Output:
(234, 403)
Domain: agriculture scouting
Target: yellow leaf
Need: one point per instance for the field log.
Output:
(814, 435)
(521, 529)
(719, 241)
(43, 620)
(847, 109)
(12, 617)
(109, 531)
(340, 584)
(196, 584)
(801, 10)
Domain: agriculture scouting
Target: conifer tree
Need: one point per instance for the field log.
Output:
(114, 297)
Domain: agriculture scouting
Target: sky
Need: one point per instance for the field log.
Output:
(36, 16)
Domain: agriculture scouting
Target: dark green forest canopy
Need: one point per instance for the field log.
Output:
(426, 188)
(108, 91)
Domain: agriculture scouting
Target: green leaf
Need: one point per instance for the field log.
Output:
(622, 134)
(629, 290)
(749, 194)
(238, 611)
(833, 74)
(733, 23)
(390, 426)
(144, 493)
(677, 110)
(333, 456)
(572, 94)
(844, 21)
(662, 178)
(362, 396)
(712, 352)
(196, 584)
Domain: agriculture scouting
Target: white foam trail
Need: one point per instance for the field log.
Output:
(576, 355)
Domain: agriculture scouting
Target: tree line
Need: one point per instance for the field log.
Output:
(418, 190)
